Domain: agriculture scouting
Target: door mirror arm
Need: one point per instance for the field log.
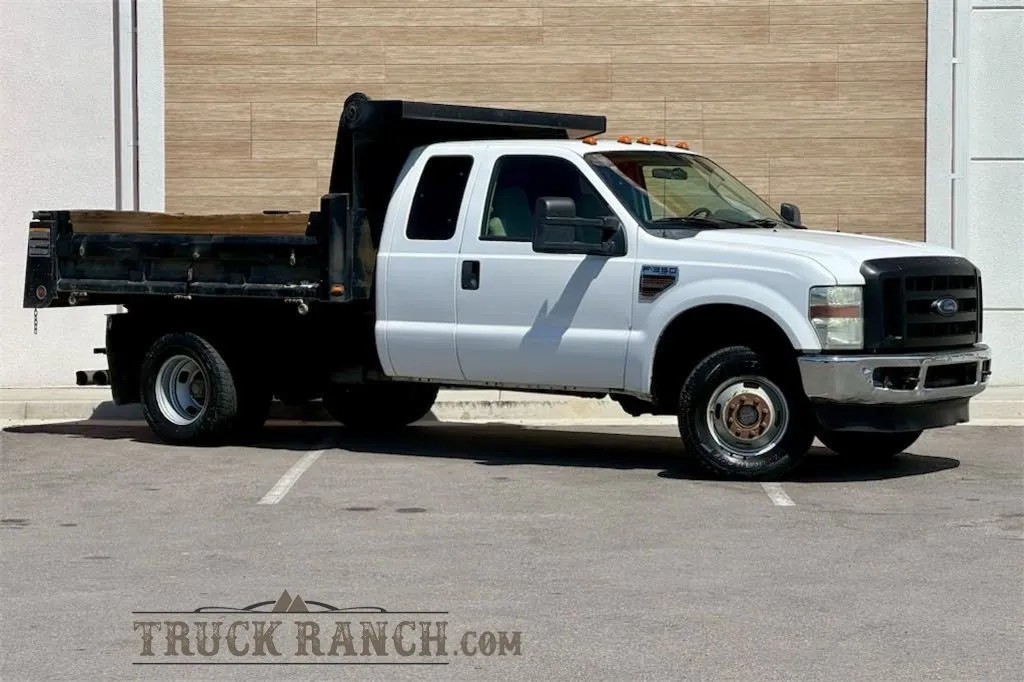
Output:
(556, 224)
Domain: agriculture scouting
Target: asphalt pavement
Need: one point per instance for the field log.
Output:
(546, 553)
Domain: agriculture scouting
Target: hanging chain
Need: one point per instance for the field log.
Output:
(35, 321)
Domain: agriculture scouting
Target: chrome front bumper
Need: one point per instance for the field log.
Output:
(866, 379)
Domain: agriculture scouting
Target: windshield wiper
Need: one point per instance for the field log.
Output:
(715, 222)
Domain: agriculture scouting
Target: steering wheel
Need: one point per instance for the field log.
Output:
(697, 211)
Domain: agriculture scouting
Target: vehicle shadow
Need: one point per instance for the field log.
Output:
(511, 445)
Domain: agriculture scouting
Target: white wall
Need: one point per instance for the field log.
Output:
(975, 183)
(58, 142)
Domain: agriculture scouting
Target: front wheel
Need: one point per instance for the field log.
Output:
(379, 407)
(868, 446)
(741, 418)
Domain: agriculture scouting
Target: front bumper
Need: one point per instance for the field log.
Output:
(896, 379)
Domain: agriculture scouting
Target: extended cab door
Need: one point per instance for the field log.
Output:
(418, 264)
(539, 319)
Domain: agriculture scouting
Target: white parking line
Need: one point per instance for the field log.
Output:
(285, 483)
(778, 495)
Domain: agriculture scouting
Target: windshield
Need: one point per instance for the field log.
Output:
(672, 189)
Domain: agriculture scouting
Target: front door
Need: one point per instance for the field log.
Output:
(539, 319)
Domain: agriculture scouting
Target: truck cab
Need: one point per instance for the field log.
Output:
(493, 248)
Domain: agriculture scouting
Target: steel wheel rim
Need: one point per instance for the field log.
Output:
(182, 390)
(747, 416)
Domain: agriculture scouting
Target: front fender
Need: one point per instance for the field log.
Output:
(662, 311)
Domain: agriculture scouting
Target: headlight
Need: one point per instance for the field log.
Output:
(837, 314)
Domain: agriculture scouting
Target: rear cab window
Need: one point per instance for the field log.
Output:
(434, 212)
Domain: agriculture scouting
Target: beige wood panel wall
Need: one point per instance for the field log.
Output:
(817, 102)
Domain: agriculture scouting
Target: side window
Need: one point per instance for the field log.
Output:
(434, 213)
(518, 182)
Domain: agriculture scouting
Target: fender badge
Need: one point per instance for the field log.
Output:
(654, 279)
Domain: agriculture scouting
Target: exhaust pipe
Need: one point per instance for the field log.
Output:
(93, 377)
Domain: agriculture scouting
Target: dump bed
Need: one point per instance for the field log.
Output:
(82, 257)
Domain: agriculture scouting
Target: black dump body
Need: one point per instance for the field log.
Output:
(321, 261)
(375, 139)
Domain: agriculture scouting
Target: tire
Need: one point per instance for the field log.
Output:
(189, 395)
(868, 446)
(735, 381)
(379, 407)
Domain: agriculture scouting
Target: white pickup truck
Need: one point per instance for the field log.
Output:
(466, 246)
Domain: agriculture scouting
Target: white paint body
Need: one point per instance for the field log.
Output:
(575, 322)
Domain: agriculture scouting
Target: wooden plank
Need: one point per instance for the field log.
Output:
(196, 112)
(389, 15)
(272, 55)
(901, 225)
(466, 74)
(841, 183)
(177, 168)
(456, 92)
(627, 14)
(689, 53)
(238, 203)
(817, 147)
(283, 187)
(182, 91)
(227, 4)
(856, 14)
(480, 54)
(808, 128)
(909, 91)
(820, 221)
(833, 110)
(880, 164)
(458, 36)
(881, 202)
(891, 52)
(144, 222)
(710, 91)
(190, 148)
(208, 130)
(240, 35)
(657, 34)
(292, 149)
(264, 74)
(849, 33)
(177, 16)
(321, 131)
(726, 73)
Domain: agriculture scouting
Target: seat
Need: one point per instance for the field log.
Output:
(511, 216)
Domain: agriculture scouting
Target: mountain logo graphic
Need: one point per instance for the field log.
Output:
(285, 604)
(288, 604)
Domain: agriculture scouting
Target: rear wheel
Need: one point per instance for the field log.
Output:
(867, 446)
(188, 392)
(740, 417)
(379, 406)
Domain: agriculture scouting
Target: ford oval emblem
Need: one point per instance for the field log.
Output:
(945, 306)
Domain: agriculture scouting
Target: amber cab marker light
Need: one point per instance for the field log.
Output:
(643, 140)
(625, 139)
(660, 140)
(337, 290)
(589, 140)
(682, 145)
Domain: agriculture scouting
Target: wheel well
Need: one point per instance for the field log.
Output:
(692, 335)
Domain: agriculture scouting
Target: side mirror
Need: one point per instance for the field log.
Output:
(557, 229)
(790, 213)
